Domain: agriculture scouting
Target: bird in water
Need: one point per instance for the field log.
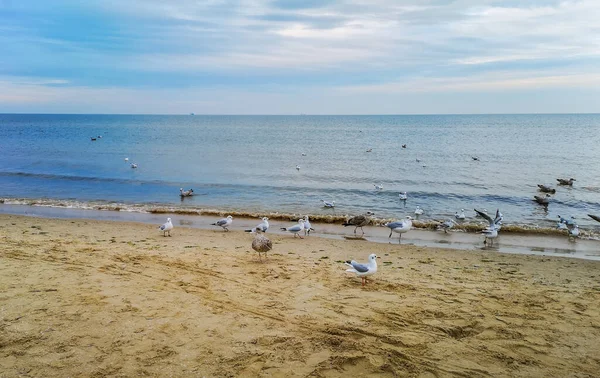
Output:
(542, 200)
(446, 225)
(186, 193)
(418, 211)
(403, 196)
(261, 243)
(167, 227)
(562, 181)
(328, 204)
(378, 187)
(573, 232)
(461, 215)
(359, 221)
(546, 189)
(133, 165)
(363, 270)
(225, 222)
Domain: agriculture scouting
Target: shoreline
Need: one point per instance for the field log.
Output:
(99, 298)
(512, 243)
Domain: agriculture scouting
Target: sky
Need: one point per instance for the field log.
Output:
(299, 56)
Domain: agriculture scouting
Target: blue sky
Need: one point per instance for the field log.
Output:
(299, 56)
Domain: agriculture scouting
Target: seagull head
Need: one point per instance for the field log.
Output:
(370, 213)
(229, 217)
(408, 217)
(301, 221)
(168, 220)
(265, 219)
(372, 257)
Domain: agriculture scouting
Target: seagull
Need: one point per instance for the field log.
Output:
(404, 146)
(369, 150)
(378, 187)
(546, 189)
(261, 243)
(307, 226)
(542, 200)
(363, 270)
(561, 226)
(461, 215)
(297, 167)
(418, 160)
(186, 193)
(594, 217)
(133, 165)
(403, 196)
(400, 227)
(448, 224)
(475, 158)
(295, 229)
(496, 223)
(359, 221)
(93, 139)
(263, 227)
(126, 159)
(490, 234)
(328, 204)
(482, 211)
(167, 227)
(568, 222)
(225, 222)
(573, 232)
(568, 182)
(418, 211)
(303, 154)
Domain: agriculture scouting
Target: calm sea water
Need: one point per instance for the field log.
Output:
(248, 163)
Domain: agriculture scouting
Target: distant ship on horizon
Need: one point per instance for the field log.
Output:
(192, 114)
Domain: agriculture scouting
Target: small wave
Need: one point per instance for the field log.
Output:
(472, 227)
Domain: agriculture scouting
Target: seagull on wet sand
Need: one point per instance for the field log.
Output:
(363, 270)
(573, 232)
(261, 243)
(307, 226)
(295, 229)
(359, 221)
(167, 227)
(400, 227)
(225, 222)
(490, 234)
(263, 226)
(496, 223)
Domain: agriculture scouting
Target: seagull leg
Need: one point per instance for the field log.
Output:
(363, 232)
(355, 230)
(390, 235)
(363, 281)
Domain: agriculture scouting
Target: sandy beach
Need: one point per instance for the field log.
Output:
(96, 298)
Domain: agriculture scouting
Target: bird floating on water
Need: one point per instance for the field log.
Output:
(418, 211)
(542, 200)
(167, 227)
(295, 229)
(446, 225)
(369, 150)
(303, 154)
(378, 186)
(297, 167)
(461, 215)
(546, 189)
(404, 146)
(261, 244)
(400, 227)
(475, 158)
(359, 221)
(126, 159)
(403, 196)
(225, 222)
(186, 193)
(328, 204)
(134, 165)
(363, 270)
(568, 182)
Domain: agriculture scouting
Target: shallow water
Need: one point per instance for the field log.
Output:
(247, 163)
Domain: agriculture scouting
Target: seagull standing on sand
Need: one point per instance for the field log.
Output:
(568, 182)
(328, 204)
(307, 226)
(418, 211)
(359, 221)
(403, 196)
(295, 229)
(400, 227)
(263, 226)
(461, 215)
(225, 222)
(167, 227)
(363, 270)
(261, 243)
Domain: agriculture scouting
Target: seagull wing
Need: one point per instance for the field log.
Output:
(594, 217)
(361, 268)
(487, 217)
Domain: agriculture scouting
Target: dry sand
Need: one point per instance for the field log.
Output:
(93, 299)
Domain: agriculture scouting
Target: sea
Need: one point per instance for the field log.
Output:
(283, 166)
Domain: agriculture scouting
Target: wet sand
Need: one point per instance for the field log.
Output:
(96, 298)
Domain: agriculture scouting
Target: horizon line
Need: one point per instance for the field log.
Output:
(301, 114)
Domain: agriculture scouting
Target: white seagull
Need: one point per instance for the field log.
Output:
(307, 226)
(295, 229)
(167, 227)
(403, 196)
(573, 232)
(446, 225)
(461, 215)
(328, 204)
(378, 187)
(297, 167)
(490, 234)
(126, 159)
(363, 270)
(133, 165)
(418, 211)
(262, 227)
(400, 227)
(225, 222)
(494, 224)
